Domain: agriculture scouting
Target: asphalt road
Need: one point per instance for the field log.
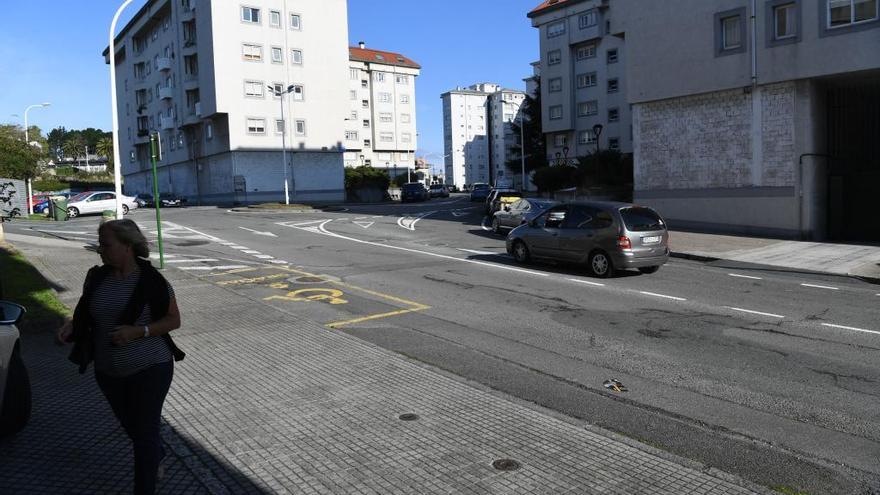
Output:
(763, 377)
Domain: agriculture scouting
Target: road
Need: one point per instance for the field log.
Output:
(767, 374)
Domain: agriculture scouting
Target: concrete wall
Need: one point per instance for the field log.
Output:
(17, 189)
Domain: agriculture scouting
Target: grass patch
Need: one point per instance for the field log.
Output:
(38, 216)
(22, 284)
(787, 490)
(281, 206)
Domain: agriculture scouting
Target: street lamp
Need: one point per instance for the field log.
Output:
(27, 141)
(117, 170)
(280, 94)
(558, 155)
(597, 131)
(565, 155)
(362, 160)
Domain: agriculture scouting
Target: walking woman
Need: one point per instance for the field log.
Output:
(121, 323)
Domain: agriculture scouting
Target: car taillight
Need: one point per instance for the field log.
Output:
(623, 242)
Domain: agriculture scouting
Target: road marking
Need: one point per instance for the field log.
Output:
(597, 284)
(196, 260)
(412, 223)
(474, 251)
(174, 226)
(207, 268)
(819, 286)
(337, 324)
(483, 224)
(662, 295)
(854, 329)
(264, 256)
(332, 296)
(745, 276)
(254, 280)
(365, 225)
(155, 256)
(755, 312)
(240, 248)
(459, 213)
(279, 262)
(250, 251)
(267, 234)
(300, 224)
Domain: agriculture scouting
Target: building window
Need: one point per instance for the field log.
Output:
(586, 51)
(385, 117)
(405, 118)
(365, 84)
(250, 14)
(386, 137)
(587, 80)
(587, 108)
(560, 140)
(586, 137)
(784, 21)
(556, 112)
(730, 33)
(367, 144)
(612, 86)
(354, 74)
(296, 56)
(298, 92)
(365, 103)
(209, 131)
(556, 29)
(385, 97)
(587, 19)
(401, 79)
(277, 55)
(406, 137)
(256, 126)
(352, 95)
(279, 126)
(848, 12)
(366, 122)
(295, 22)
(554, 57)
(251, 52)
(351, 135)
(404, 99)
(299, 127)
(611, 56)
(614, 143)
(613, 115)
(555, 85)
(354, 115)
(275, 18)
(253, 89)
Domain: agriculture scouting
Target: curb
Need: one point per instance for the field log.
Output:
(709, 259)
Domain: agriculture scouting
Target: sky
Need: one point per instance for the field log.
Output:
(50, 51)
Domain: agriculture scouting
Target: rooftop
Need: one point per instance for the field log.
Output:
(380, 57)
(548, 5)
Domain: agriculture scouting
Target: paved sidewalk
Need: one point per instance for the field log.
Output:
(269, 403)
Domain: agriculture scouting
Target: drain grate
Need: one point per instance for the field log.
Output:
(310, 280)
(408, 417)
(506, 465)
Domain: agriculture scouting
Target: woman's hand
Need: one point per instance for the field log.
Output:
(124, 334)
(63, 334)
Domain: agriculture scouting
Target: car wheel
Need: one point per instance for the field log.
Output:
(125, 209)
(72, 212)
(600, 264)
(521, 252)
(649, 269)
(16, 407)
(496, 226)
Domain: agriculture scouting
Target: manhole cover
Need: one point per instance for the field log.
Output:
(614, 385)
(408, 417)
(506, 465)
(309, 280)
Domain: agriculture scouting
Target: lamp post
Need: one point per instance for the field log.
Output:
(597, 131)
(117, 170)
(27, 141)
(280, 94)
(558, 156)
(362, 160)
(565, 155)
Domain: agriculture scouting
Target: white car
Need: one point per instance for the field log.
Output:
(15, 387)
(97, 202)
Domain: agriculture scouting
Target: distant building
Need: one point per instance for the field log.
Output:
(583, 76)
(765, 131)
(476, 132)
(206, 75)
(381, 126)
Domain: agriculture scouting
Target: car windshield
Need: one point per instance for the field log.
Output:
(413, 187)
(81, 196)
(435, 186)
(641, 219)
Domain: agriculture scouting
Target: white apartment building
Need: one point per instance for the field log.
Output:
(380, 128)
(206, 76)
(504, 109)
(583, 76)
(476, 133)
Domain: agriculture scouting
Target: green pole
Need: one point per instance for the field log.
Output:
(154, 156)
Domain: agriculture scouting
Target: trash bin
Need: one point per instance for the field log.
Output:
(59, 209)
(108, 215)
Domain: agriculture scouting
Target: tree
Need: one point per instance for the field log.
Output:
(55, 141)
(550, 179)
(74, 146)
(17, 159)
(104, 148)
(533, 135)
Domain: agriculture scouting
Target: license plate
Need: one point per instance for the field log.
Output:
(654, 239)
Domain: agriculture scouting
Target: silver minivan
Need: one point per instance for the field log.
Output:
(604, 236)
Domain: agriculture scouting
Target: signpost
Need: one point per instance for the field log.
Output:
(155, 154)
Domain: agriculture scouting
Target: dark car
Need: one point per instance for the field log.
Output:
(43, 206)
(604, 236)
(413, 191)
(166, 200)
(15, 387)
(145, 200)
(439, 191)
(499, 195)
(519, 212)
(480, 191)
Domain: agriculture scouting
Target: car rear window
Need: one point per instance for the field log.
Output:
(641, 219)
(413, 187)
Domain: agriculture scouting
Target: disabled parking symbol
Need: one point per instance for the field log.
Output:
(331, 296)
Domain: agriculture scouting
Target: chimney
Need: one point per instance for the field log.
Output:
(362, 44)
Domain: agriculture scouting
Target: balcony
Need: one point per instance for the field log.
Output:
(167, 122)
(198, 109)
(166, 93)
(187, 13)
(163, 64)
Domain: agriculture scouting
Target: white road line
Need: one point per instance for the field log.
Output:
(484, 224)
(412, 223)
(206, 268)
(474, 251)
(755, 312)
(250, 251)
(196, 260)
(662, 295)
(264, 256)
(78, 232)
(155, 256)
(240, 248)
(174, 225)
(745, 276)
(854, 329)
(365, 225)
(819, 286)
(279, 262)
(587, 282)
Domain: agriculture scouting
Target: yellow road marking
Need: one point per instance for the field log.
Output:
(254, 280)
(337, 324)
(332, 296)
(230, 272)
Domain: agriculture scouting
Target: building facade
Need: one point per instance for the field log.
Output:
(768, 127)
(477, 134)
(504, 110)
(381, 127)
(583, 76)
(211, 77)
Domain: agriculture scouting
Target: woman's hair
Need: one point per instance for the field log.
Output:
(128, 233)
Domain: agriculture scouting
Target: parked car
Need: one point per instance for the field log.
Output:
(496, 196)
(96, 202)
(166, 200)
(519, 212)
(15, 387)
(413, 191)
(145, 200)
(480, 191)
(42, 207)
(438, 191)
(603, 235)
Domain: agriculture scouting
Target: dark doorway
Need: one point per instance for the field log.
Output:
(854, 166)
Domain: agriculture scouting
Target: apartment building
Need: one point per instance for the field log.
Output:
(381, 128)
(211, 77)
(583, 76)
(504, 110)
(768, 127)
(476, 132)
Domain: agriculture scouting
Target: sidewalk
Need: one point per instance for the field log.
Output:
(269, 403)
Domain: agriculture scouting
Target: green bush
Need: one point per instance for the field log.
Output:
(360, 177)
(50, 185)
(66, 171)
(607, 168)
(550, 179)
